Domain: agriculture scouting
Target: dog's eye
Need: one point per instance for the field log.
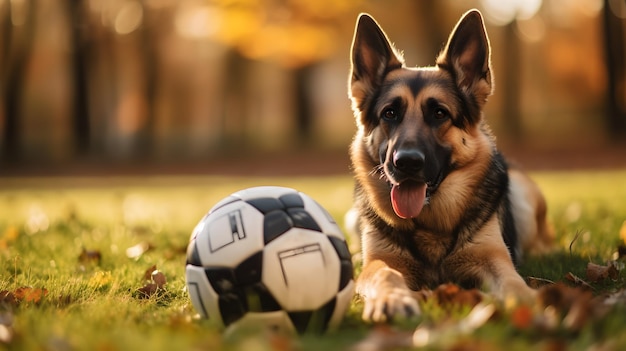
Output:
(441, 113)
(390, 114)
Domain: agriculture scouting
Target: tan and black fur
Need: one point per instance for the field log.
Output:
(423, 128)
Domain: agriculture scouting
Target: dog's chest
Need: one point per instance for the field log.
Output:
(428, 252)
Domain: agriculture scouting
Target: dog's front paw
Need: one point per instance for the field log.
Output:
(390, 302)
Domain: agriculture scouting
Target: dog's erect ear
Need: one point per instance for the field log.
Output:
(372, 57)
(467, 56)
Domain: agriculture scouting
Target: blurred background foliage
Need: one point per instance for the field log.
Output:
(110, 82)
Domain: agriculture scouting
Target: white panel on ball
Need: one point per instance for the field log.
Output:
(203, 297)
(263, 191)
(300, 269)
(226, 239)
(322, 217)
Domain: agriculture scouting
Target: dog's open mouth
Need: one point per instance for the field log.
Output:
(408, 198)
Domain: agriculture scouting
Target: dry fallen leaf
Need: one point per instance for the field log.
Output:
(147, 290)
(159, 279)
(453, 295)
(155, 280)
(578, 281)
(147, 276)
(576, 305)
(597, 273)
(28, 294)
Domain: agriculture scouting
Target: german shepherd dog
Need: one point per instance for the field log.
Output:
(435, 200)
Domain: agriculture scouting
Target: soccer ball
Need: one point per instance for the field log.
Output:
(270, 256)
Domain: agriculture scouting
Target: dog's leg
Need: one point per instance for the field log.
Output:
(487, 259)
(385, 293)
(503, 280)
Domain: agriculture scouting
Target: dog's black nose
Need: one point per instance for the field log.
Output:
(409, 161)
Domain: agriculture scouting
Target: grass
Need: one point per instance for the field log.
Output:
(91, 304)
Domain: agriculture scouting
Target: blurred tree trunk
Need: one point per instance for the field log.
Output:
(18, 43)
(616, 72)
(147, 36)
(80, 58)
(304, 104)
(234, 102)
(512, 84)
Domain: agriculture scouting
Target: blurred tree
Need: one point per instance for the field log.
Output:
(616, 72)
(18, 38)
(149, 50)
(511, 95)
(81, 56)
(304, 109)
(296, 34)
(233, 109)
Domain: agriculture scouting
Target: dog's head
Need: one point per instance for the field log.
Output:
(419, 123)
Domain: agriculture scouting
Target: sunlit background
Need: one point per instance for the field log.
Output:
(109, 83)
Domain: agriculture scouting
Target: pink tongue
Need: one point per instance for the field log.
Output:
(408, 199)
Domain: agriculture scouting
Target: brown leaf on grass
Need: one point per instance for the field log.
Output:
(597, 273)
(90, 256)
(155, 280)
(578, 281)
(147, 290)
(147, 276)
(453, 295)
(576, 305)
(159, 279)
(28, 294)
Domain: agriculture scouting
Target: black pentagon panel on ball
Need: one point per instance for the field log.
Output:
(347, 273)
(347, 270)
(222, 279)
(292, 200)
(313, 321)
(275, 224)
(266, 204)
(193, 258)
(302, 219)
(341, 247)
(260, 299)
(232, 307)
(250, 270)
